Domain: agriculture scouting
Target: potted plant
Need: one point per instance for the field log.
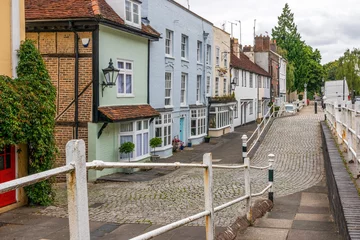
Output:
(181, 145)
(155, 142)
(127, 148)
(207, 139)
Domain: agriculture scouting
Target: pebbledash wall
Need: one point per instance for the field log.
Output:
(117, 45)
(168, 15)
(57, 49)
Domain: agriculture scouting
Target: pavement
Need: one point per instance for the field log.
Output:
(120, 209)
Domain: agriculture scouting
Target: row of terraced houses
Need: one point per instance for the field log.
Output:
(177, 76)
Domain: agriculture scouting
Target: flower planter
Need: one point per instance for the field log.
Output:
(155, 158)
(189, 144)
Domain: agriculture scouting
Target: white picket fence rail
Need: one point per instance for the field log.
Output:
(78, 210)
(344, 120)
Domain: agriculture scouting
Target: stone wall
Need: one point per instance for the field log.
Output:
(343, 196)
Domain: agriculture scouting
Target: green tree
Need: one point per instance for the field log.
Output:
(304, 60)
(330, 70)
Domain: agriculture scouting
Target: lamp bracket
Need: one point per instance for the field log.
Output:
(102, 129)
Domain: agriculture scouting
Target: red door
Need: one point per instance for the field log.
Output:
(7, 173)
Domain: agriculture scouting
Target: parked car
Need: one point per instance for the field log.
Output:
(290, 108)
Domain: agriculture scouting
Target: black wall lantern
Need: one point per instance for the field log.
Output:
(233, 85)
(110, 75)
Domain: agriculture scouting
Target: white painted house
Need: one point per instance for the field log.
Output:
(252, 90)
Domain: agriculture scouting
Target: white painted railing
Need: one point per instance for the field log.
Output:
(254, 138)
(344, 120)
(78, 210)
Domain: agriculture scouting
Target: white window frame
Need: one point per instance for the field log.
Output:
(259, 106)
(198, 89)
(217, 56)
(199, 117)
(183, 89)
(164, 123)
(125, 72)
(208, 85)
(259, 81)
(225, 60)
(251, 108)
(134, 134)
(199, 51)
(251, 81)
(237, 76)
(243, 84)
(236, 110)
(223, 117)
(208, 54)
(132, 14)
(184, 46)
(225, 87)
(216, 86)
(167, 88)
(169, 42)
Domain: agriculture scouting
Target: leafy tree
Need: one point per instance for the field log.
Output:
(304, 60)
(330, 70)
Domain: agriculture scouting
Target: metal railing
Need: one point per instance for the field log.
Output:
(344, 120)
(78, 210)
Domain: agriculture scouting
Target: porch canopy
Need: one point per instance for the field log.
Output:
(127, 112)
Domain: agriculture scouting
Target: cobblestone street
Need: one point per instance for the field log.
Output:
(294, 140)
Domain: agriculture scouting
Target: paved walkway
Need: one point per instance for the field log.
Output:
(295, 141)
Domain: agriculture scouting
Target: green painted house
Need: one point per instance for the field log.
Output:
(98, 59)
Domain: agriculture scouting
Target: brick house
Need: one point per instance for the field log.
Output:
(77, 39)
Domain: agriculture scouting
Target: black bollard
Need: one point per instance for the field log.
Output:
(315, 107)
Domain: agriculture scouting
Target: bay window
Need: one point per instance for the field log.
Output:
(220, 117)
(163, 129)
(198, 122)
(136, 132)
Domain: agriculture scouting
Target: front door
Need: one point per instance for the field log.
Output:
(181, 129)
(7, 173)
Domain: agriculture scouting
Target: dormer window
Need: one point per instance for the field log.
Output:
(132, 12)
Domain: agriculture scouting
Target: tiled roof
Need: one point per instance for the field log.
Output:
(75, 9)
(128, 112)
(246, 64)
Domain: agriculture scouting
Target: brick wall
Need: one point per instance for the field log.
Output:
(58, 52)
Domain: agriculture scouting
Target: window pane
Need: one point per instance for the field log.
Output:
(169, 135)
(121, 65)
(121, 83)
(124, 139)
(126, 127)
(138, 145)
(158, 132)
(138, 126)
(8, 161)
(136, 13)
(128, 83)
(129, 66)
(128, 10)
(146, 143)
(146, 125)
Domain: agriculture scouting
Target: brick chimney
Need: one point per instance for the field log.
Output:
(273, 45)
(235, 49)
(247, 48)
(259, 45)
(266, 43)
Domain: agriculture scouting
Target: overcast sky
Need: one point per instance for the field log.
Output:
(332, 26)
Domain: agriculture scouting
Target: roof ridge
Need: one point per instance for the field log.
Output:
(95, 7)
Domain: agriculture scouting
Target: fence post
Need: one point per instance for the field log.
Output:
(248, 188)
(244, 146)
(208, 189)
(271, 158)
(77, 191)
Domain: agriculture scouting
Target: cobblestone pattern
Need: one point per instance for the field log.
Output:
(295, 141)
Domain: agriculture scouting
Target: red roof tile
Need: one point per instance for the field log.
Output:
(73, 9)
(128, 112)
(246, 64)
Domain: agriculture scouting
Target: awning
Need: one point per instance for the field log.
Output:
(127, 112)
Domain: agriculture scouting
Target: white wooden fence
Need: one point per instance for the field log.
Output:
(78, 210)
(344, 120)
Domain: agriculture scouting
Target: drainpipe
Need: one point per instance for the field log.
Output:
(148, 74)
(76, 83)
